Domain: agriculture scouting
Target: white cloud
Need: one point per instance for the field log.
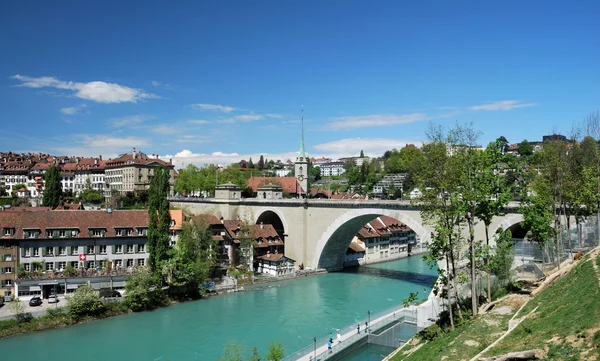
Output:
(222, 108)
(128, 121)
(248, 117)
(193, 139)
(155, 83)
(97, 91)
(188, 157)
(72, 110)
(502, 105)
(87, 145)
(374, 120)
(163, 129)
(372, 147)
(198, 121)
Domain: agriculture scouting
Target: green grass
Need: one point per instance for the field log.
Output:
(567, 312)
(466, 341)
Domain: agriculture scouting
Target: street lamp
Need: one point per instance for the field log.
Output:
(369, 325)
(315, 342)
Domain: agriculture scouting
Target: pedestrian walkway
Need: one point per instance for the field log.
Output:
(350, 337)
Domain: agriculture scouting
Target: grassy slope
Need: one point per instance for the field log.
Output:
(568, 314)
(569, 311)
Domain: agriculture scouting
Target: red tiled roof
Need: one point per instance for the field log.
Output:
(356, 247)
(347, 195)
(28, 209)
(137, 158)
(211, 219)
(288, 184)
(81, 220)
(258, 232)
(315, 191)
(275, 257)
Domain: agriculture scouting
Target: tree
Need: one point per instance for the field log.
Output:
(250, 164)
(84, 301)
(503, 256)
(525, 149)
(16, 187)
(493, 195)
(91, 196)
(314, 173)
(261, 163)
(255, 356)
(52, 188)
(233, 351)
(143, 292)
(362, 154)
(188, 180)
(247, 246)
(18, 309)
(275, 352)
(160, 219)
(537, 210)
(503, 144)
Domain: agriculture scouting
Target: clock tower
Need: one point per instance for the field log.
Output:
(301, 165)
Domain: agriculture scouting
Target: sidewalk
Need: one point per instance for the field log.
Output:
(6, 311)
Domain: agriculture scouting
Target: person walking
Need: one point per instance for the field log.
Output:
(339, 337)
(329, 346)
(358, 328)
(331, 337)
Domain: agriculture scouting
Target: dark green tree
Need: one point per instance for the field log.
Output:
(503, 256)
(52, 188)
(250, 164)
(362, 154)
(160, 219)
(275, 352)
(261, 163)
(16, 187)
(525, 149)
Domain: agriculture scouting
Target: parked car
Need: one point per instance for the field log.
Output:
(52, 299)
(35, 301)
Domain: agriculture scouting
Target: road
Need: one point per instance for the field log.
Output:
(6, 311)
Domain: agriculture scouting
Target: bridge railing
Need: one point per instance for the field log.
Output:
(350, 335)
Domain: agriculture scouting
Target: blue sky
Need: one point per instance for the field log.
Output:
(217, 81)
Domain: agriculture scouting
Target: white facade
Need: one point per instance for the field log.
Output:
(96, 178)
(283, 172)
(332, 169)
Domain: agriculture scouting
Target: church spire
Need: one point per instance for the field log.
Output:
(302, 156)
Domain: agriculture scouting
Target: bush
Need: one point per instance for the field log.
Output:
(143, 292)
(596, 339)
(56, 312)
(430, 333)
(85, 301)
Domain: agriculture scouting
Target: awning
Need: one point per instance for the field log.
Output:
(45, 283)
(34, 288)
(72, 287)
(96, 286)
(119, 284)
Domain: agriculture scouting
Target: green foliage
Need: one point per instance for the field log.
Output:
(190, 262)
(525, 149)
(52, 188)
(502, 259)
(596, 339)
(275, 352)
(16, 187)
(411, 299)
(430, 333)
(91, 196)
(255, 356)
(314, 173)
(160, 219)
(233, 351)
(143, 292)
(85, 301)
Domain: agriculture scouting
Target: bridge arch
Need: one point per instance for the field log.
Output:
(274, 217)
(331, 247)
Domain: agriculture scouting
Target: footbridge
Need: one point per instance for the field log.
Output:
(318, 231)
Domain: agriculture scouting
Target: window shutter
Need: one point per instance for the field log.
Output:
(31, 252)
(113, 249)
(55, 251)
(96, 249)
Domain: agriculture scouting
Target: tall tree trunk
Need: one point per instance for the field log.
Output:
(450, 313)
(569, 232)
(452, 261)
(487, 261)
(556, 235)
(473, 278)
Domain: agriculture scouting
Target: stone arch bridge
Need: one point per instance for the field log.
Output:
(318, 231)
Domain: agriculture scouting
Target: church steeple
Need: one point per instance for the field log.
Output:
(302, 155)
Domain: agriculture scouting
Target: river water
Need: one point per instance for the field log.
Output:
(291, 311)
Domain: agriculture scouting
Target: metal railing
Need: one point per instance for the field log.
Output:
(351, 338)
(39, 275)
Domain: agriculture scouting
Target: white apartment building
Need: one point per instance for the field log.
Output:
(332, 169)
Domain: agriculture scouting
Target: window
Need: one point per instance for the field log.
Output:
(37, 267)
(62, 233)
(62, 251)
(75, 264)
(118, 263)
(8, 282)
(62, 265)
(49, 266)
(118, 232)
(129, 263)
(7, 270)
(102, 249)
(141, 262)
(130, 248)
(74, 251)
(90, 250)
(97, 232)
(27, 252)
(27, 267)
(91, 264)
(119, 248)
(31, 234)
(141, 248)
(128, 232)
(8, 231)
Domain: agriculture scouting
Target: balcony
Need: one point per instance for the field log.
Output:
(78, 273)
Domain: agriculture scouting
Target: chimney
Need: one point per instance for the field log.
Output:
(170, 161)
(100, 157)
(133, 152)
(261, 225)
(95, 161)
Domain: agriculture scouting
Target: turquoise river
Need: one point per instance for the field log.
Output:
(291, 311)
